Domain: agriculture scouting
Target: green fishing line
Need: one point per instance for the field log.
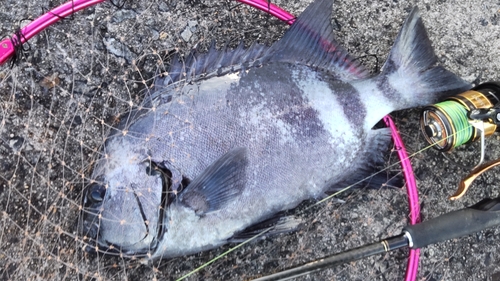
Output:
(458, 118)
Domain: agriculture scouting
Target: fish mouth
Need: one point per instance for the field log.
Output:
(88, 223)
(89, 220)
(88, 226)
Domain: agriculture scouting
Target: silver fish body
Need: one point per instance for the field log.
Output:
(206, 158)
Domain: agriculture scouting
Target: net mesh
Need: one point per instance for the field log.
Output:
(59, 102)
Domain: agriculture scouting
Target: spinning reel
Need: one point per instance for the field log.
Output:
(461, 119)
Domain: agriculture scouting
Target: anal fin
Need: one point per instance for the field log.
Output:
(367, 169)
(369, 179)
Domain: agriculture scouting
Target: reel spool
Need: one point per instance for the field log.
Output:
(446, 125)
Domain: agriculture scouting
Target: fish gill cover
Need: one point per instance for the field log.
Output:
(59, 103)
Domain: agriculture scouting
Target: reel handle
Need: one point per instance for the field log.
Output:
(485, 114)
(464, 118)
(466, 182)
(484, 214)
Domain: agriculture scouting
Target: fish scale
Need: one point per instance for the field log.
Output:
(219, 153)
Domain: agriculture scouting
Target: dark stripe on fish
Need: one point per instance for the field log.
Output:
(386, 88)
(349, 100)
(263, 87)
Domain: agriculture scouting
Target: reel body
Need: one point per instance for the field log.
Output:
(446, 125)
(461, 119)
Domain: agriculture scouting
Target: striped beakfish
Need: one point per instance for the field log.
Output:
(230, 139)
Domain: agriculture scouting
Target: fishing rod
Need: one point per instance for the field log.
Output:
(457, 120)
(484, 214)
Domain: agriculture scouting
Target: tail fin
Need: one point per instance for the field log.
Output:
(411, 68)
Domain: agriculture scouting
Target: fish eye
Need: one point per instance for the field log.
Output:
(149, 169)
(96, 193)
(152, 169)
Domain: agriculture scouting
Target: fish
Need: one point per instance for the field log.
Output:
(229, 140)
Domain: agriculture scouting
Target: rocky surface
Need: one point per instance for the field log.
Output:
(58, 101)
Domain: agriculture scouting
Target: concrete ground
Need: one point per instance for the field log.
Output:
(57, 103)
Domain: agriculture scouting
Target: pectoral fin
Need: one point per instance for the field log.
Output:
(220, 183)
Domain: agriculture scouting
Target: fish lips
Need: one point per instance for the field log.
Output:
(88, 220)
(89, 225)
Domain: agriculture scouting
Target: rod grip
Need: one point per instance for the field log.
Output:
(484, 214)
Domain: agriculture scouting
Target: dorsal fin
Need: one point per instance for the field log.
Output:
(310, 41)
(214, 62)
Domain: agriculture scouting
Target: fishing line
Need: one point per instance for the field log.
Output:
(23, 38)
(413, 263)
(223, 255)
(461, 126)
(400, 162)
(446, 124)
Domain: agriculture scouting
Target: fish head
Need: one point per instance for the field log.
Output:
(122, 209)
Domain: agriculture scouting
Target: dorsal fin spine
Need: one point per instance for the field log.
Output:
(309, 41)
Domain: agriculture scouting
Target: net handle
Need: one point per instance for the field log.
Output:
(8, 46)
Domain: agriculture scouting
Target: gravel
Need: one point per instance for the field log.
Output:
(58, 101)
